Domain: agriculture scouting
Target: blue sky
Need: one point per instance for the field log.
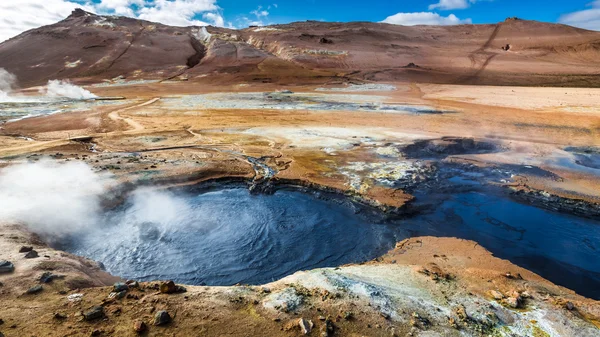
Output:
(378, 10)
(17, 16)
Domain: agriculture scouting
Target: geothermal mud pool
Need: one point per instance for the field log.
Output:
(227, 235)
(11, 111)
(287, 100)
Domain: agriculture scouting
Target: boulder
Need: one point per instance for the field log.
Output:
(119, 286)
(327, 330)
(162, 318)
(132, 284)
(6, 267)
(306, 326)
(139, 326)
(514, 302)
(94, 313)
(168, 287)
(117, 295)
(34, 290)
(32, 254)
(48, 277)
(496, 295)
(25, 249)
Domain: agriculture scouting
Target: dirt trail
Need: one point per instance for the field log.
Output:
(32, 147)
(114, 115)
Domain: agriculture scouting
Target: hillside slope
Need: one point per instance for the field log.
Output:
(515, 52)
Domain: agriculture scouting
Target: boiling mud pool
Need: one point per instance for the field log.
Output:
(229, 236)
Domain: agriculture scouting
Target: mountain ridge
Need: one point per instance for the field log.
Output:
(91, 48)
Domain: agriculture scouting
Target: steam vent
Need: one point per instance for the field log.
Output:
(207, 168)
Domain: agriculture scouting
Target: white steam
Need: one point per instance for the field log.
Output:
(61, 88)
(7, 83)
(54, 89)
(157, 207)
(56, 200)
(52, 199)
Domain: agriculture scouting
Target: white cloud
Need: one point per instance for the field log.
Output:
(260, 12)
(425, 18)
(451, 4)
(16, 18)
(178, 12)
(119, 7)
(259, 16)
(587, 18)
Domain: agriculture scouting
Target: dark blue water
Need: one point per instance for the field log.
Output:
(559, 247)
(230, 236)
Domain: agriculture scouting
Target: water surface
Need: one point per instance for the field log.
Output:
(230, 236)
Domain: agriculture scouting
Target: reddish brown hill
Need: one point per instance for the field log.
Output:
(517, 52)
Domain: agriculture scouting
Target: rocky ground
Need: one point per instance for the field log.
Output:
(424, 287)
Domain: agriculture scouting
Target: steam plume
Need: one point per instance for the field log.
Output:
(57, 200)
(52, 199)
(56, 88)
(7, 83)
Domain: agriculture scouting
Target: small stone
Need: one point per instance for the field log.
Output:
(168, 287)
(94, 313)
(74, 297)
(1, 321)
(139, 326)
(305, 325)
(117, 295)
(514, 302)
(496, 295)
(48, 277)
(6, 267)
(570, 306)
(119, 286)
(384, 315)
(133, 284)
(25, 249)
(322, 318)
(327, 329)
(162, 317)
(31, 254)
(60, 316)
(34, 290)
(96, 333)
(348, 315)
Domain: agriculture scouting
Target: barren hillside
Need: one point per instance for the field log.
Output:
(515, 52)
